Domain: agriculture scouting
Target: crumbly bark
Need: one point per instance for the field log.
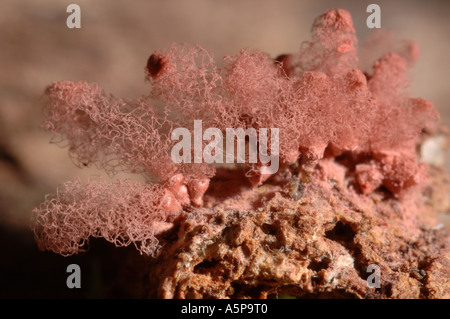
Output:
(306, 235)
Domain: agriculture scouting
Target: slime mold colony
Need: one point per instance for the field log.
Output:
(351, 190)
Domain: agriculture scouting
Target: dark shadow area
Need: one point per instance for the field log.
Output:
(106, 271)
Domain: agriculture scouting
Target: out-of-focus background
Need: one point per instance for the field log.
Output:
(111, 48)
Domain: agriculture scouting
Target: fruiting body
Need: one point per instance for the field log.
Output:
(347, 147)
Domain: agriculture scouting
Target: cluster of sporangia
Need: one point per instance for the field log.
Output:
(322, 103)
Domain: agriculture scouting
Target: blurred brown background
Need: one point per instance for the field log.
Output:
(111, 48)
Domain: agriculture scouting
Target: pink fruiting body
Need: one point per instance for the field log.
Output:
(123, 213)
(323, 105)
(179, 190)
(197, 188)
